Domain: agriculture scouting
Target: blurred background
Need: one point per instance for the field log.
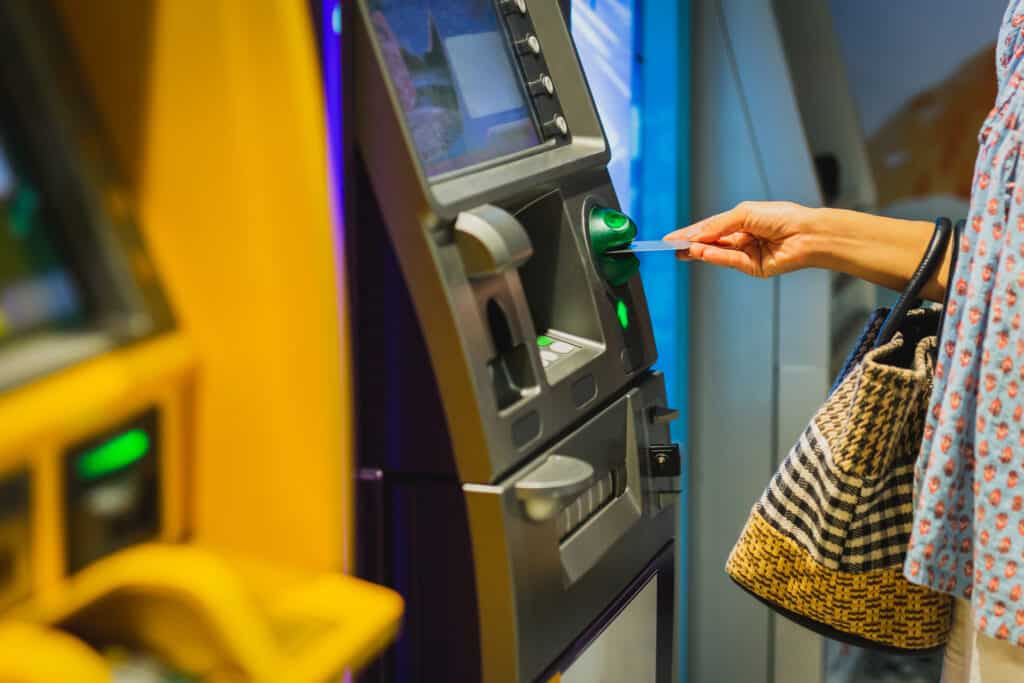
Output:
(275, 407)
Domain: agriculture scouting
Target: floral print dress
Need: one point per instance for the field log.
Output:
(968, 537)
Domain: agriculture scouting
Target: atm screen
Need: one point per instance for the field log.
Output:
(37, 290)
(451, 66)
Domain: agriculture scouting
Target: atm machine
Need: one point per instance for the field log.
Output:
(517, 481)
(128, 548)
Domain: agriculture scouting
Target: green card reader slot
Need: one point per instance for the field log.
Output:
(610, 229)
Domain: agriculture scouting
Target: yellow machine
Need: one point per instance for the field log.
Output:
(174, 421)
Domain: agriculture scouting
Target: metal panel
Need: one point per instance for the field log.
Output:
(665, 51)
(627, 649)
(732, 379)
(828, 109)
(759, 354)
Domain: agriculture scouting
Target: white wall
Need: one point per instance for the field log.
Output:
(896, 48)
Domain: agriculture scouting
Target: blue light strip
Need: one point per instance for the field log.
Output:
(664, 105)
(636, 55)
(331, 31)
(331, 37)
(605, 36)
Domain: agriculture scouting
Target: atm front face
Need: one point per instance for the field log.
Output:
(517, 474)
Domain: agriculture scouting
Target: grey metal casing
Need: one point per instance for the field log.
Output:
(548, 189)
(537, 591)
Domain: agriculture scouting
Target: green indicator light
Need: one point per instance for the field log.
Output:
(544, 340)
(614, 219)
(623, 313)
(113, 455)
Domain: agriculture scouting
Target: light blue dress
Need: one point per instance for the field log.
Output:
(968, 537)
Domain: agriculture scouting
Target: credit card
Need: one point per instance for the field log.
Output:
(644, 246)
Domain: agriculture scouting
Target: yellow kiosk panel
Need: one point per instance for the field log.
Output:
(180, 491)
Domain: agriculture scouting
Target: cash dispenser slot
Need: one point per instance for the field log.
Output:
(588, 487)
(591, 502)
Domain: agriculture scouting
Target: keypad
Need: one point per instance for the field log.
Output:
(554, 350)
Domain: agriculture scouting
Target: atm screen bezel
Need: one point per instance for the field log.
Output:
(509, 175)
(43, 99)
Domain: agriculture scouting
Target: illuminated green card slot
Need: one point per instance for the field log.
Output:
(114, 455)
(112, 490)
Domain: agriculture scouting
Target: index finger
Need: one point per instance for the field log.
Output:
(712, 228)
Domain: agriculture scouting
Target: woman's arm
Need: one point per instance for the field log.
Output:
(770, 238)
(885, 251)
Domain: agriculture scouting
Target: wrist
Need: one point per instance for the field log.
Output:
(821, 238)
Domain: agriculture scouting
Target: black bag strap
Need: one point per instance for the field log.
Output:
(958, 232)
(933, 256)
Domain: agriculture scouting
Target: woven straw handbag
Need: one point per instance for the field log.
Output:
(825, 544)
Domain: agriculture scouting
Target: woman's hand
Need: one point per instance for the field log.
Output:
(771, 238)
(761, 239)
